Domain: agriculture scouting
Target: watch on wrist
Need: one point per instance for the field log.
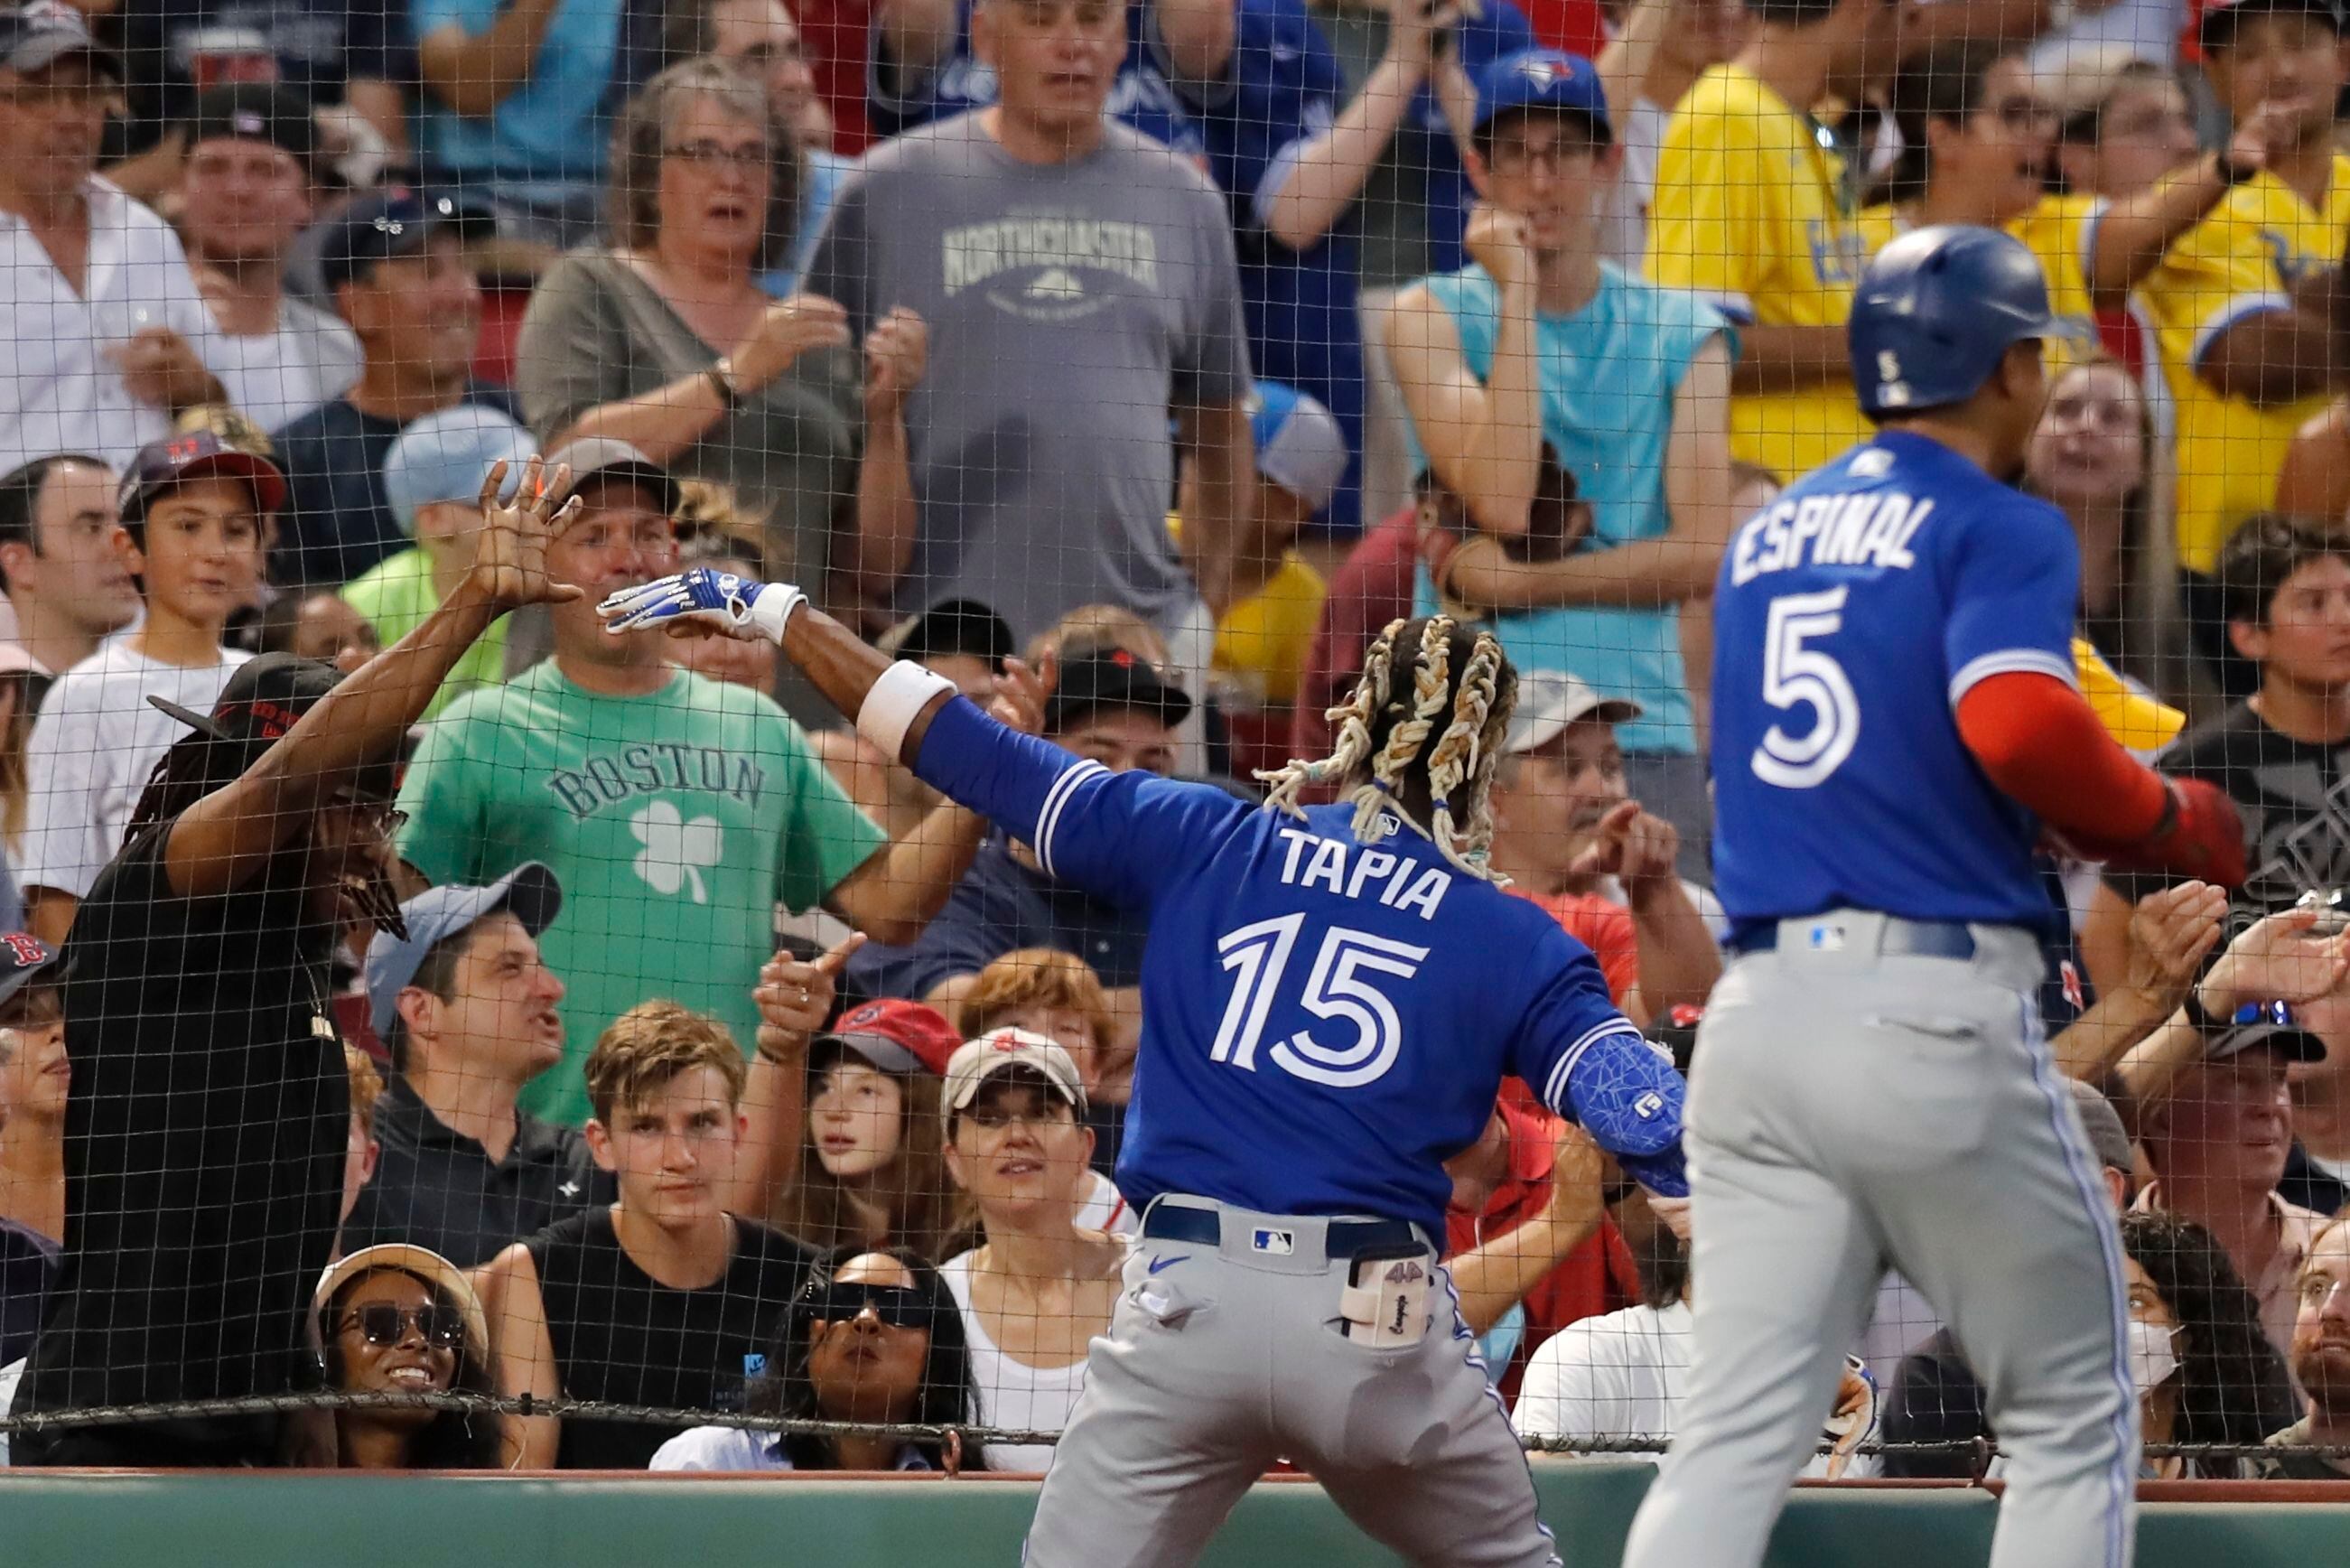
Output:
(2197, 1013)
(720, 377)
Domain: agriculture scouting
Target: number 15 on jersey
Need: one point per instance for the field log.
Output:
(1342, 986)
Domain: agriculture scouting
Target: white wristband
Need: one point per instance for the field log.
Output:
(896, 701)
(770, 609)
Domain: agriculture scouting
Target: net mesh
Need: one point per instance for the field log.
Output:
(554, 1055)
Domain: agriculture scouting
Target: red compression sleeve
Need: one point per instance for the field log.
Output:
(2039, 741)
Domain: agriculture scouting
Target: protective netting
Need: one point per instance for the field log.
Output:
(599, 1050)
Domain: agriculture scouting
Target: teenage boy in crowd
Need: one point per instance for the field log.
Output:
(195, 518)
(663, 1297)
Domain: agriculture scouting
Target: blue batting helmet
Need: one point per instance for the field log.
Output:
(1936, 312)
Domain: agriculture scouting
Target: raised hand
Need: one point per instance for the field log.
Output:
(1021, 694)
(2281, 958)
(897, 352)
(510, 553)
(701, 601)
(794, 998)
(2169, 934)
(1629, 845)
(1502, 243)
(785, 331)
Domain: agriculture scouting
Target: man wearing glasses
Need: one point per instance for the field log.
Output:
(99, 308)
(1541, 342)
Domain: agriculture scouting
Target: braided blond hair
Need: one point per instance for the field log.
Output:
(1463, 756)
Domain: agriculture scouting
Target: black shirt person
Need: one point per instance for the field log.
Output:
(207, 1123)
(664, 1298)
(469, 1012)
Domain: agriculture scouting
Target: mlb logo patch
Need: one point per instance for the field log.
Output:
(1279, 1243)
(1825, 938)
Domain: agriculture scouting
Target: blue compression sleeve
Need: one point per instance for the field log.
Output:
(1624, 1092)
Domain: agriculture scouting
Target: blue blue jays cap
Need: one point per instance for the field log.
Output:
(1543, 78)
(530, 891)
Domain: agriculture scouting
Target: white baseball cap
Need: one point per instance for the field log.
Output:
(1551, 700)
(999, 1051)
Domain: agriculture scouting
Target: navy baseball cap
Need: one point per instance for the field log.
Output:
(25, 958)
(529, 892)
(392, 223)
(1543, 78)
(1113, 678)
(255, 111)
(198, 454)
(33, 38)
(2266, 1025)
(965, 626)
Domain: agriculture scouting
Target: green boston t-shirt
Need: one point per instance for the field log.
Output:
(675, 822)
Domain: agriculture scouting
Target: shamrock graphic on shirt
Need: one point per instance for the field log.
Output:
(675, 850)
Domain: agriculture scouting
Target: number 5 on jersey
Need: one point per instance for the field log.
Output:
(1337, 988)
(1796, 675)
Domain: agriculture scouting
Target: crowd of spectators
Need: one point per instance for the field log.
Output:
(537, 1011)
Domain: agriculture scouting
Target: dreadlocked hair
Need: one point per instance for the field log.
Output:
(1439, 719)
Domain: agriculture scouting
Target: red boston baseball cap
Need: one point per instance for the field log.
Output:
(894, 1036)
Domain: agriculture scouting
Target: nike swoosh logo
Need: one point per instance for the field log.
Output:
(1159, 1263)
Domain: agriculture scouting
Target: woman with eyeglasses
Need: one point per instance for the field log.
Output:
(873, 1338)
(668, 342)
(1040, 1286)
(403, 1320)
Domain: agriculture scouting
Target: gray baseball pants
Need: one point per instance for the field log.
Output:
(1228, 1357)
(1853, 1108)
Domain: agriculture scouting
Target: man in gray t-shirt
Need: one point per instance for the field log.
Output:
(1081, 291)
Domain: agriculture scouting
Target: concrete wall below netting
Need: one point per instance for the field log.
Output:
(244, 1520)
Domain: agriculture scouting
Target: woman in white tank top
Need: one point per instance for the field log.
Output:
(1039, 1286)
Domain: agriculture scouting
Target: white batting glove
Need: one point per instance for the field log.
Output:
(741, 608)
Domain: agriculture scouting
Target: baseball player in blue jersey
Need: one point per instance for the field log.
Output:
(1895, 719)
(1331, 998)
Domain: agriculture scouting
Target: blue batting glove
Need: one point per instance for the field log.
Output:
(735, 606)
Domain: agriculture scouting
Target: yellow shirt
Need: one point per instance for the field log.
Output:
(2236, 262)
(1263, 641)
(2057, 231)
(1749, 211)
(2136, 721)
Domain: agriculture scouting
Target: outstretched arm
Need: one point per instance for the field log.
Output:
(225, 838)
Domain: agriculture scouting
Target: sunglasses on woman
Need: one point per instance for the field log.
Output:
(442, 1324)
(894, 1305)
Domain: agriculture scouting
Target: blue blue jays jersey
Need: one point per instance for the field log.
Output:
(1325, 1021)
(1849, 618)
